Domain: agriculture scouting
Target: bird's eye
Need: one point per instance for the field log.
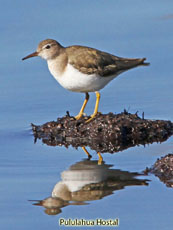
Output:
(48, 47)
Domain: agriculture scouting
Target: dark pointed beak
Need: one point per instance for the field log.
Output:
(31, 55)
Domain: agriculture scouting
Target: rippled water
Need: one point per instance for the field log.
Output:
(29, 172)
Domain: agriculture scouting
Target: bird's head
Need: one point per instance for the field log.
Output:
(47, 49)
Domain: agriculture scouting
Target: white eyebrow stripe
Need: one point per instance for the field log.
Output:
(47, 45)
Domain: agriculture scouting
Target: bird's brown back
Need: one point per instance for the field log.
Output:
(89, 61)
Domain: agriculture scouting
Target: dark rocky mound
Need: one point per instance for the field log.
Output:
(163, 168)
(106, 133)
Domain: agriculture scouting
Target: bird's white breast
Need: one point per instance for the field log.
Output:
(76, 81)
(74, 180)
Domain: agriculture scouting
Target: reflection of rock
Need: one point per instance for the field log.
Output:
(87, 181)
(106, 133)
(163, 168)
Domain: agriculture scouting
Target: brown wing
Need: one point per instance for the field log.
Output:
(90, 61)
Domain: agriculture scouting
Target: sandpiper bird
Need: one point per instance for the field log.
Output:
(83, 69)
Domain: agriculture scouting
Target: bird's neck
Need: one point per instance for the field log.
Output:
(58, 64)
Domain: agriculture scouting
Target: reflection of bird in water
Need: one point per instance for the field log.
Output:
(100, 160)
(87, 181)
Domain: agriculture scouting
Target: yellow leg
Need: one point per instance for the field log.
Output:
(83, 107)
(84, 149)
(96, 106)
(100, 158)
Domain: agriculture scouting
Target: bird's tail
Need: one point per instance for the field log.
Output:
(129, 63)
(141, 61)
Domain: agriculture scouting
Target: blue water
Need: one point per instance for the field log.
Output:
(29, 94)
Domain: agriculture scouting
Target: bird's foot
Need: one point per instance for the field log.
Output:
(92, 117)
(85, 150)
(78, 116)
